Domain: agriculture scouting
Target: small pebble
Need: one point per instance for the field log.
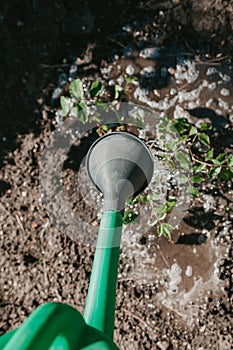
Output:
(208, 103)
(127, 28)
(130, 70)
(120, 80)
(173, 91)
(225, 92)
(223, 104)
(226, 78)
(150, 52)
(212, 86)
(211, 71)
(189, 271)
(163, 345)
(148, 72)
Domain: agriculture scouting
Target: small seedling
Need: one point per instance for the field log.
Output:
(193, 152)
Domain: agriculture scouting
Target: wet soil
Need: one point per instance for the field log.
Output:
(170, 295)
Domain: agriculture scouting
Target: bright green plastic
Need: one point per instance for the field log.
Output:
(101, 298)
(57, 326)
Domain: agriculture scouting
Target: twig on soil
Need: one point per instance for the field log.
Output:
(131, 314)
(179, 54)
(183, 86)
(58, 295)
(51, 66)
(163, 257)
(215, 61)
(20, 224)
(178, 314)
(116, 42)
(46, 280)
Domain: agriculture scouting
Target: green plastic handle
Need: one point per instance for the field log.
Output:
(55, 326)
(101, 298)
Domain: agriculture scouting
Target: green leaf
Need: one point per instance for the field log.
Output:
(144, 199)
(170, 127)
(76, 89)
(216, 162)
(155, 197)
(172, 164)
(130, 79)
(114, 102)
(214, 172)
(196, 179)
(170, 205)
(103, 105)
(230, 160)
(206, 126)
(105, 127)
(171, 145)
(182, 125)
(184, 138)
(183, 159)
(209, 154)
(138, 199)
(199, 167)
(226, 174)
(203, 138)
(118, 91)
(193, 131)
(153, 222)
(139, 122)
(219, 159)
(160, 210)
(165, 230)
(193, 191)
(82, 112)
(96, 88)
(66, 105)
(183, 179)
(129, 217)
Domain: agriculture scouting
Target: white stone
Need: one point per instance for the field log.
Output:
(189, 271)
(225, 92)
(130, 70)
(150, 52)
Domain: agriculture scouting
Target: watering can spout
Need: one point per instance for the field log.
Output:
(115, 199)
(120, 166)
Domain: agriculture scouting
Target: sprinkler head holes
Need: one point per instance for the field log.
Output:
(121, 166)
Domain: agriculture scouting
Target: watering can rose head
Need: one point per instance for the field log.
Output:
(121, 166)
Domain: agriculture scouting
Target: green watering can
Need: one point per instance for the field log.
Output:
(121, 166)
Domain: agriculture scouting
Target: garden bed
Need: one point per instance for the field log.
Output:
(171, 294)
